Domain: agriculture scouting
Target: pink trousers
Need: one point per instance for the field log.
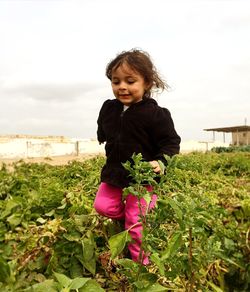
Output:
(109, 203)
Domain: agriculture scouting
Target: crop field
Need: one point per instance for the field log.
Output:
(51, 238)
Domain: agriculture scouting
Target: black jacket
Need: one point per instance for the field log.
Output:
(144, 128)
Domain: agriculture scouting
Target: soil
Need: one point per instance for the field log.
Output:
(55, 160)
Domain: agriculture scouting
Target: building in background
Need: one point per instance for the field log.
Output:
(240, 134)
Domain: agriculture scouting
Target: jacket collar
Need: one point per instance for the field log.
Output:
(142, 102)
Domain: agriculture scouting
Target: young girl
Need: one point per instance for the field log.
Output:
(133, 122)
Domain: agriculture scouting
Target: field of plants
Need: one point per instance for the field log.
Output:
(51, 238)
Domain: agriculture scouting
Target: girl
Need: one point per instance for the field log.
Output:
(133, 122)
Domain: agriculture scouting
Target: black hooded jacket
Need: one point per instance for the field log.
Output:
(144, 128)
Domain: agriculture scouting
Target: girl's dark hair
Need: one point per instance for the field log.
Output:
(139, 61)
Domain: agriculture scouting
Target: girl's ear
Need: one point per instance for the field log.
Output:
(148, 86)
(147, 90)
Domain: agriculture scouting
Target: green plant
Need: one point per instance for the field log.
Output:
(191, 225)
(197, 235)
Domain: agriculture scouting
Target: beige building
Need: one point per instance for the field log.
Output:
(240, 134)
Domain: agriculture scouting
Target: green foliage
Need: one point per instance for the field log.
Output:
(117, 243)
(190, 230)
(245, 148)
(51, 239)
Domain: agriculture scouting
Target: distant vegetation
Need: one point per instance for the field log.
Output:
(245, 148)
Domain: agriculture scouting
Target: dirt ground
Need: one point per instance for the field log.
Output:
(55, 160)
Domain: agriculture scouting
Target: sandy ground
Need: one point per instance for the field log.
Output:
(55, 160)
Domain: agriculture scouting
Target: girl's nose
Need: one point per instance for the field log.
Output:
(122, 85)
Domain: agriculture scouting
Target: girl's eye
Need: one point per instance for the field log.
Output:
(115, 82)
(131, 81)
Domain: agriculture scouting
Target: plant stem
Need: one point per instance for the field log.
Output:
(132, 226)
(143, 219)
(190, 260)
(247, 240)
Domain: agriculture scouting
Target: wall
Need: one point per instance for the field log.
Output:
(27, 147)
(241, 138)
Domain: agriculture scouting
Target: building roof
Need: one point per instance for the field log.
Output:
(230, 129)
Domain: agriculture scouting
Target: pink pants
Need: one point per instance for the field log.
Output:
(109, 203)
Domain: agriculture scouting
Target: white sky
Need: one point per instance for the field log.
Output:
(53, 56)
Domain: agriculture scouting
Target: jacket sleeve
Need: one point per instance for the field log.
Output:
(165, 138)
(101, 137)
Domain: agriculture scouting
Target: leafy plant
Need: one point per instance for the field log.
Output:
(197, 235)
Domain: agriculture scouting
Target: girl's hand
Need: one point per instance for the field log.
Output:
(156, 166)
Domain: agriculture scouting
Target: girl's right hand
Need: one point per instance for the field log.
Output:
(156, 166)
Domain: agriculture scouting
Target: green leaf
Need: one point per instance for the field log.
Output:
(173, 246)
(229, 260)
(153, 288)
(40, 220)
(162, 166)
(72, 236)
(4, 270)
(88, 250)
(147, 198)
(15, 219)
(168, 158)
(127, 264)
(47, 285)
(156, 259)
(127, 191)
(146, 280)
(215, 288)
(80, 220)
(245, 204)
(91, 286)
(78, 283)
(51, 213)
(118, 242)
(175, 207)
(63, 280)
(62, 206)
(8, 208)
(76, 269)
(229, 243)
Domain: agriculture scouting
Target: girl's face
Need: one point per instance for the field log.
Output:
(128, 86)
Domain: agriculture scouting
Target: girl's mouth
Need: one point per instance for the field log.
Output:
(124, 96)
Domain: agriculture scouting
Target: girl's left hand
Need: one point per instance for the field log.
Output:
(156, 166)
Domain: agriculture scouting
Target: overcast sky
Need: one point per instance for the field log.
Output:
(53, 56)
